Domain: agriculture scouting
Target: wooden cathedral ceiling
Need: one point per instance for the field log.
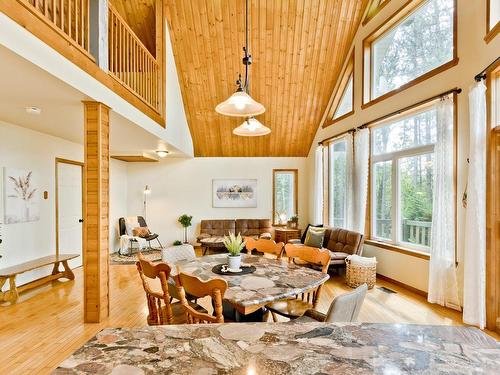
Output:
(298, 47)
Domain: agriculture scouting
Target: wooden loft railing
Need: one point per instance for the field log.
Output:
(70, 18)
(75, 29)
(131, 63)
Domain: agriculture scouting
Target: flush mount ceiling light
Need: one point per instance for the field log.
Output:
(251, 128)
(33, 110)
(241, 104)
(162, 153)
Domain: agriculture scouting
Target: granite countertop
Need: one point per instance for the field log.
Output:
(287, 348)
(273, 279)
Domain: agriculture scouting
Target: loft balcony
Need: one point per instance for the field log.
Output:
(95, 35)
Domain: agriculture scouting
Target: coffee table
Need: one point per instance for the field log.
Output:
(212, 243)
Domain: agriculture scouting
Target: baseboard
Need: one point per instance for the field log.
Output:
(403, 285)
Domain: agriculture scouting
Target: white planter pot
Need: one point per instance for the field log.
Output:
(234, 262)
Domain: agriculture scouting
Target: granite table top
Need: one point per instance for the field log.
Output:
(287, 348)
(273, 279)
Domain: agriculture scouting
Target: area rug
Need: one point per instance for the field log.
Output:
(152, 254)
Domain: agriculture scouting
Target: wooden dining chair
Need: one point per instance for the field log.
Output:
(293, 308)
(160, 309)
(264, 246)
(214, 288)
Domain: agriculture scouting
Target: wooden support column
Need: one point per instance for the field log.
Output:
(96, 213)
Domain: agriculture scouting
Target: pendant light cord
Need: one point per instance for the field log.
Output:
(247, 60)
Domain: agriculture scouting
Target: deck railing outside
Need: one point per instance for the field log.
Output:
(68, 17)
(131, 63)
(413, 231)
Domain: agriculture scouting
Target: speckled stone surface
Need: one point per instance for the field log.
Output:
(272, 280)
(287, 348)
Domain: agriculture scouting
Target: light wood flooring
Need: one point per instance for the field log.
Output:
(46, 325)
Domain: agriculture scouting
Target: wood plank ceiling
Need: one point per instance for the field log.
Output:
(298, 47)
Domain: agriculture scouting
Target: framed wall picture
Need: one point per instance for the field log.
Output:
(21, 203)
(235, 193)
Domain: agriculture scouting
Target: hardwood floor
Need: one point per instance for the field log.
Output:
(46, 325)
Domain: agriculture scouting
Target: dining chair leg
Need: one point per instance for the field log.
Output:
(275, 317)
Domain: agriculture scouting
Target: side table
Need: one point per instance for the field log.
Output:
(286, 234)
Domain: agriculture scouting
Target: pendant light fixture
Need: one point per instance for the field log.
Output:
(251, 128)
(241, 104)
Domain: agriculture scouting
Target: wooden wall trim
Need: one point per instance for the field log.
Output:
(403, 285)
(493, 204)
(96, 212)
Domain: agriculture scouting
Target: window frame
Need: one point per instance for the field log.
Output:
(403, 247)
(295, 192)
(346, 75)
(374, 10)
(491, 33)
(393, 21)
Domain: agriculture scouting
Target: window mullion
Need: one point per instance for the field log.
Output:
(395, 200)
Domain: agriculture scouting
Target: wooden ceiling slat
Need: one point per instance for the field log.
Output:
(298, 47)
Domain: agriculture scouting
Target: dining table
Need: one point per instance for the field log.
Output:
(287, 348)
(273, 279)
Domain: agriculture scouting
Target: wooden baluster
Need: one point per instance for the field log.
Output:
(61, 14)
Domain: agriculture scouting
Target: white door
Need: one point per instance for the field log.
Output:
(69, 213)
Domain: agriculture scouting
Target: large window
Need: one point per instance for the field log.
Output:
(338, 183)
(492, 19)
(414, 43)
(343, 101)
(402, 156)
(285, 182)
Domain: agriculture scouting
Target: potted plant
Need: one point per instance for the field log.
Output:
(293, 222)
(234, 245)
(177, 243)
(185, 221)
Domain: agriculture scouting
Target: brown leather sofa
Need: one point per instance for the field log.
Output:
(341, 243)
(257, 228)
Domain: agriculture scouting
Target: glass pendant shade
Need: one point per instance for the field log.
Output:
(240, 104)
(251, 128)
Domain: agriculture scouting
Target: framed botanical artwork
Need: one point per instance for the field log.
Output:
(237, 193)
(21, 203)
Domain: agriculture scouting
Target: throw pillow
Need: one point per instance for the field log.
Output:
(304, 234)
(140, 232)
(315, 237)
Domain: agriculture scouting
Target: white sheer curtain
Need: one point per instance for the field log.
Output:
(349, 168)
(475, 221)
(318, 186)
(360, 178)
(443, 288)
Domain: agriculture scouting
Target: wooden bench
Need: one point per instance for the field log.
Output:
(11, 272)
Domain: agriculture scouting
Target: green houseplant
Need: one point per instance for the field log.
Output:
(177, 243)
(185, 221)
(234, 245)
(293, 221)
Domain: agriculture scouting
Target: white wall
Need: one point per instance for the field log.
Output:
(474, 55)
(117, 200)
(185, 186)
(27, 149)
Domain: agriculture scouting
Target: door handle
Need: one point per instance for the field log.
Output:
(80, 220)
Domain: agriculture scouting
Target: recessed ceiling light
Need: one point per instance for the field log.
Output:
(162, 153)
(33, 110)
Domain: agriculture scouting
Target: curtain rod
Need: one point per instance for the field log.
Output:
(456, 90)
(482, 74)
